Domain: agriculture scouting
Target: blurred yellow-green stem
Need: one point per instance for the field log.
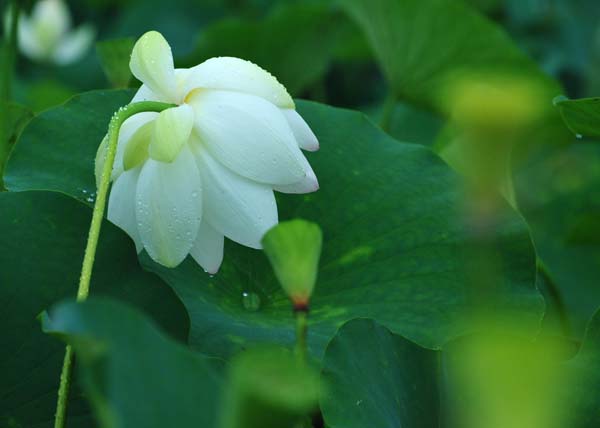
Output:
(90, 251)
(8, 55)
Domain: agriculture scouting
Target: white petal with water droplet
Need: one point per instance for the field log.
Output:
(145, 94)
(305, 138)
(172, 130)
(169, 207)
(239, 75)
(128, 128)
(307, 185)
(240, 209)
(152, 63)
(248, 135)
(121, 205)
(208, 248)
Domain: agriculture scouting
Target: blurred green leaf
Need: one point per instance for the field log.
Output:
(377, 379)
(114, 56)
(585, 229)
(68, 136)
(41, 94)
(396, 246)
(500, 379)
(269, 388)
(410, 123)
(179, 21)
(294, 248)
(583, 392)
(486, 5)
(134, 375)
(424, 53)
(581, 116)
(294, 43)
(43, 238)
(559, 193)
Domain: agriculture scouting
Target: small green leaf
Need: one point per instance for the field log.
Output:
(377, 379)
(582, 116)
(133, 374)
(114, 56)
(294, 248)
(269, 388)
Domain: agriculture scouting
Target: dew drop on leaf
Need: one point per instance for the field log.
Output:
(250, 301)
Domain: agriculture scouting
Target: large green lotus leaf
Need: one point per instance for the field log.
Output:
(56, 151)
(396, 247)
(132, 373)
(375, 378)
(17, 117)
(295, 43)
(425, 48)
(43, 237)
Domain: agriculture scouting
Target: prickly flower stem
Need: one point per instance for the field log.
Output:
(90, 251)
(301, 333)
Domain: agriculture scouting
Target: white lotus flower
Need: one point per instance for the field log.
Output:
(187, 177)
(46, 34)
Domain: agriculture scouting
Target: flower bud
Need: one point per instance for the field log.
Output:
(294, 248)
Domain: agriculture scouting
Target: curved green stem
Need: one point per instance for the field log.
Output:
(92, 243)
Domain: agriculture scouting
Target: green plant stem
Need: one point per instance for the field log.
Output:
(387, 112)
(90, 251)
(301, 333)
(9, 54)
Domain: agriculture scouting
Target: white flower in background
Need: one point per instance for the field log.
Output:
(46, 35)
(187, 177)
